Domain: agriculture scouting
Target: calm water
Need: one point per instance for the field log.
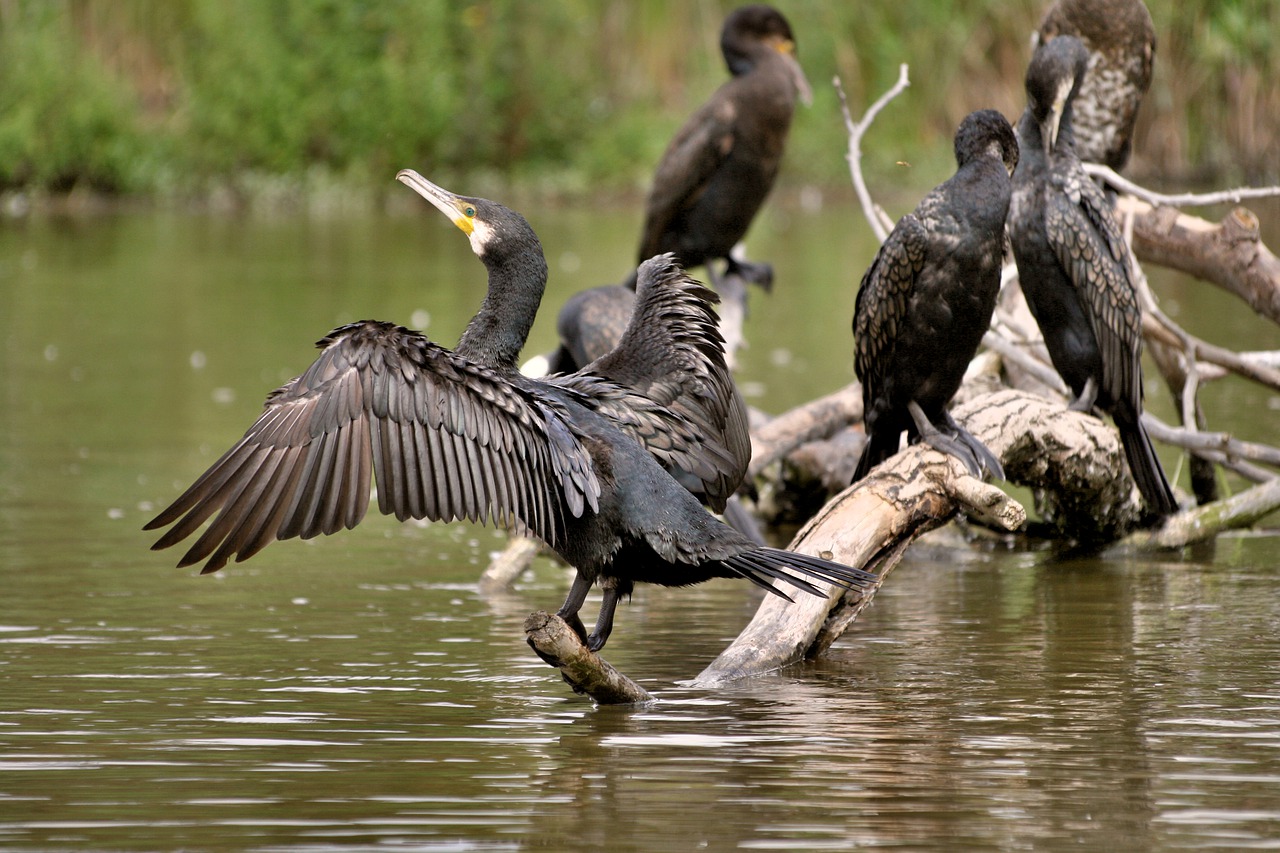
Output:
(358, 692)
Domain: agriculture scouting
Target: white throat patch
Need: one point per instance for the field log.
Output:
(480, 236)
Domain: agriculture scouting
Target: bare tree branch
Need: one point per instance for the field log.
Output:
(812, 421)
(1124, 185)
(510, 563)
(880, 222)
(1229, 254)
(1218, 447)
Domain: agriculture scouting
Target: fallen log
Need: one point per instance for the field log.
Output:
(1070, 460)
(1205, 522)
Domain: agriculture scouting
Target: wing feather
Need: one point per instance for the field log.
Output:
(441, 437)
(704, 141)
(1093, 253)
(883, 300)
(667, 385)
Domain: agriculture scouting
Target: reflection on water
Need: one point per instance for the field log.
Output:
(358, 691)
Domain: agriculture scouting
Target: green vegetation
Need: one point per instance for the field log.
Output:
(185, 96)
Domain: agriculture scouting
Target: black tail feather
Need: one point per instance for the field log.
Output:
(1144, 465)
(878, 448)
(762, 564)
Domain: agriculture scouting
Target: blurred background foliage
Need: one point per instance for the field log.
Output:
(188, 97)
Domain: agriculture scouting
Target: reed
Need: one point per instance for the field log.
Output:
(578, 96)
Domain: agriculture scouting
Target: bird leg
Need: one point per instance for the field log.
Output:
(573, 603)
(1088, 396)
(758, 273)
(955, 441)
(733, 312)
(613, 588)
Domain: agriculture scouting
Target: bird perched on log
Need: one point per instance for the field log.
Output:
(711, 181)
(1074, 265)
(581, 461)
(1122, 46)
(926, 300)
(721, 164)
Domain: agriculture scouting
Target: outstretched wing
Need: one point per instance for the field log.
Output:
(667, 385)
(692, 157)
(883, 300)
(1091, 250)
(444, 438)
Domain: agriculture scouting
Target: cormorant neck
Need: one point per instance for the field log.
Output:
(1066, 125)
(1031, 156)
(498, 331)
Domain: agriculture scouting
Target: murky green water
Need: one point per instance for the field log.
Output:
(359, 692)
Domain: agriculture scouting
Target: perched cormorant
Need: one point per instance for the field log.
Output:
(1122, 45)
(721, 164)
(1073, 265)
(581, 461)
(711, 181)
(926, 300)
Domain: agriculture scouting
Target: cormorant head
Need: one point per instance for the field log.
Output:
(986, 133)
(750, 29)
(492, 228)
(1053, 77)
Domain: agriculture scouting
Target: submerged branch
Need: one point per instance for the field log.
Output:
(584, 670)
(509, 563)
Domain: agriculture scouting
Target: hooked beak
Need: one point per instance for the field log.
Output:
(1053, 122)
(787, 48)
(446, 202)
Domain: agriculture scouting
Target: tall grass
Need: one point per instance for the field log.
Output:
(163, 96)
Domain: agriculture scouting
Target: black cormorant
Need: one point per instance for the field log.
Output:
(1073, 265)
(927, 298)
(722, 163)
(461, 434)
(1122, 45)
(711, 181)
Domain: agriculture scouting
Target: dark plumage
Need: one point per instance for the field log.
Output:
(581, 461)
(1073, 265)
(722, 163)
(711, 181)
(926, 300)
(1122, 46)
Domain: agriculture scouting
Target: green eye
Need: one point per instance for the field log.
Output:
(469, 210)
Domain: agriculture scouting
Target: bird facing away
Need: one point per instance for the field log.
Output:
(721, 164)
(1122, 46)
(709, 184)
(1074, 266)
(581, 461)
(927, 298)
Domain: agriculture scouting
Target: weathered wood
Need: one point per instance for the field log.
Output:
(1159, 328)
(812, 421)
(584, 670)
(869, 526)
(1229, 254)
(1206, 522)
(509, 563)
